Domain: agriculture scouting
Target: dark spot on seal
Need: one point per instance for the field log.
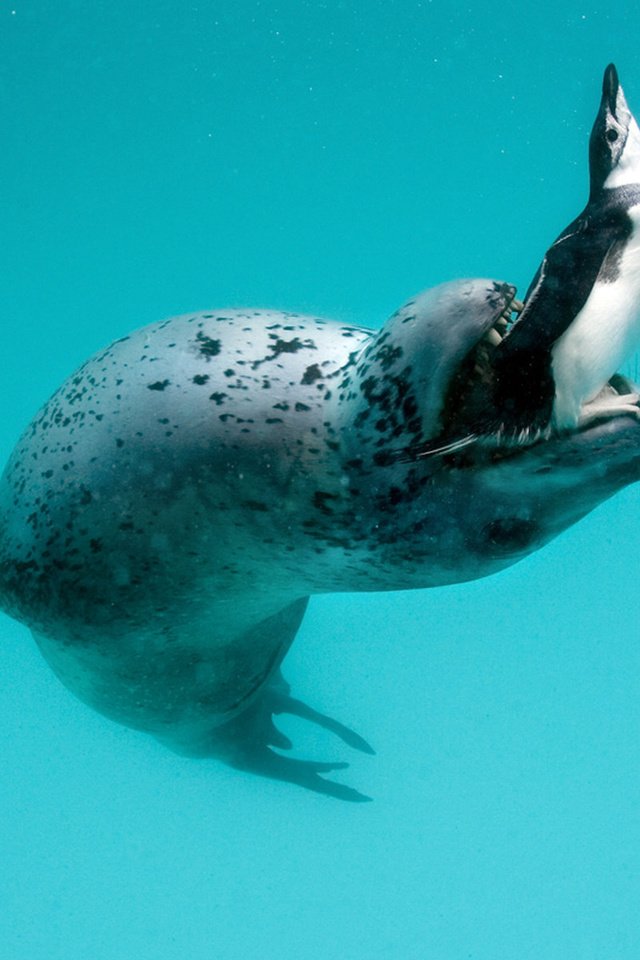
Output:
(208, 346)
(290, 346)
(311, 374)
(158, 385)
(284, 346)
(387, 355)
(200, 378)
(383, 458)
(321, 501)
(301, 407)
(218, 398)
(367, 387)
(510, 533)
(395, 496)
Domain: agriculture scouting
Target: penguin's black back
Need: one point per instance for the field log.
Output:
(589, 250)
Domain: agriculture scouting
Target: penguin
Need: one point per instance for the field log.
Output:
(581, 313)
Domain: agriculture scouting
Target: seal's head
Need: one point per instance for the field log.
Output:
(454, 335)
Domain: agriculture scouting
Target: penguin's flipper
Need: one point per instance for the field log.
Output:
(563, 284)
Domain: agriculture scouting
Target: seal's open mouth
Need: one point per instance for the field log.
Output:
(475, 410)
(478, 364)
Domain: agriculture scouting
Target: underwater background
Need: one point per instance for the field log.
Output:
(335, 158)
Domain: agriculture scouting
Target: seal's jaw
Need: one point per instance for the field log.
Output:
(474, 418)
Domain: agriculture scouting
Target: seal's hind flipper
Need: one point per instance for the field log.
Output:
(305, 773)
(246, 742)
(287, 704)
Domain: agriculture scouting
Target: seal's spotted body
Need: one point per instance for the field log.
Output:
(166, 515)
(159, 439)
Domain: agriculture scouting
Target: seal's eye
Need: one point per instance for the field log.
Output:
(612, 136)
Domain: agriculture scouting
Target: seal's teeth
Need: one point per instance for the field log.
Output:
(517, 306)
(502, 323)
(493, 337)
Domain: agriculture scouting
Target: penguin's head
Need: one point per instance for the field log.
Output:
(614, 147)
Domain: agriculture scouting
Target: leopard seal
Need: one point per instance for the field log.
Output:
(166, 515)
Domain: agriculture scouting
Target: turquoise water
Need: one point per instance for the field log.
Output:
(333, 157)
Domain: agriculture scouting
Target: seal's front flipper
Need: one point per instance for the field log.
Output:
(245, 743)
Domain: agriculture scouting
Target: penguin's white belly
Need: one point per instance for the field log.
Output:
(604, 333)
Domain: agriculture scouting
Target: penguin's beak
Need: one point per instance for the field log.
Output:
(610, 90)
(614, 146)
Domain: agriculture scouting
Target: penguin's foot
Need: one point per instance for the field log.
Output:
(246, 743)
(609, 404)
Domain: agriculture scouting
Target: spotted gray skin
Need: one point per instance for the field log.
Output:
(165, 517)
